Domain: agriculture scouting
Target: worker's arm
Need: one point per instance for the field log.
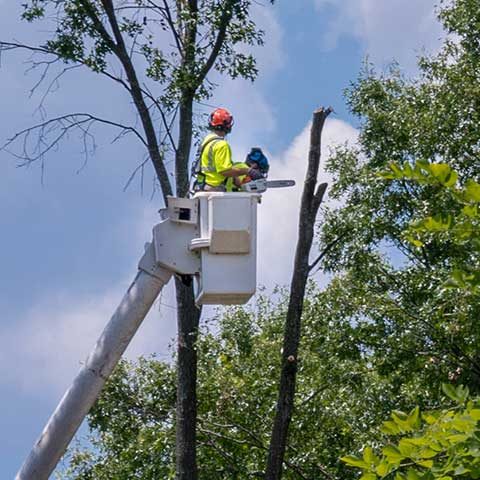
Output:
(225, 167)
(234, 172)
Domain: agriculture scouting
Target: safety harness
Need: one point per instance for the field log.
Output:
(196, 172)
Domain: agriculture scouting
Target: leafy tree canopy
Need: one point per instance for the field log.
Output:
(413, 329)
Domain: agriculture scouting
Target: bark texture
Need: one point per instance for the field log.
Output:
(187, 319)
(312, 197)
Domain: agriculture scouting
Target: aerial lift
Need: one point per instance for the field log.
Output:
(206, 237)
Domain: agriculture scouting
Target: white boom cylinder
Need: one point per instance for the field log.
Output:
(89, 382)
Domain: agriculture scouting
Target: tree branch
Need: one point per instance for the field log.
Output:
(6, 46)
(120, 50)
(318, 198)
(168, 17)
(327, 248)
(227, 14)
(65, 124)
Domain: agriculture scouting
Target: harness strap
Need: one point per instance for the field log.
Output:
(198, 170)
(197, 164)
(211, 164)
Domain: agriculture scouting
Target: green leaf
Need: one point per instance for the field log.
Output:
(414, 417)
(461, 470)
(457, 438)
(407, 170)
(475, 413)
(428, 453)
(393, 454)
(390, 428)
(369, 457)
(425, 463)
(462, 393)
(406, 448)
(401, 419)
(472, 191)
(414, 241)
(355, 461)
(387, 175)
(368, 476)
(449, 390)
(470, 211)
(441, 171)
(413, 474)
(396, 169)
(383, 468)
(451, 179)
(429, 417)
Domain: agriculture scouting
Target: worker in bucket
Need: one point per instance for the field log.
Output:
(214, 166)
(256, 160)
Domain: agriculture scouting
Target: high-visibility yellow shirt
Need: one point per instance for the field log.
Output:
(231, 187)
(216, 158)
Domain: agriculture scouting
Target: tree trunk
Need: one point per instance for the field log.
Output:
(184, 145)
(311, 200)
(188, 316)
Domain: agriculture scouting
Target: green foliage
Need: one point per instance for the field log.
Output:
(459, 225)
(133, 423)
(442, 444)
(398, 245)
(79, 38)
(441, 199)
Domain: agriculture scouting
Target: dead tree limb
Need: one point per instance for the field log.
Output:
(311, 199)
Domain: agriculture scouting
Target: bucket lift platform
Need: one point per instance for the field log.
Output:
(212, 236)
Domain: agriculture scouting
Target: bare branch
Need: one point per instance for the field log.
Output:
(168, 17)
(134, 173)
(327, 248)
(293, 321)
(60, 127)
(136, 94)
(7, 46)
(168, 129)
(257, 442)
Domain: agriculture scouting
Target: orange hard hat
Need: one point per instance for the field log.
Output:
(221, 119)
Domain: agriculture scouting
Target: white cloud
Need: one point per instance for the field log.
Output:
(389, 30)
(278, 213)
(42, 353)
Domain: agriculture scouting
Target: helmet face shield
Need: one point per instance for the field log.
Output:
(221, 119)
(257, 156)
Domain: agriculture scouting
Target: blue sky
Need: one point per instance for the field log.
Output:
(70, 246)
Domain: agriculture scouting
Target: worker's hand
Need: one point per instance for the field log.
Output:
(255, 174)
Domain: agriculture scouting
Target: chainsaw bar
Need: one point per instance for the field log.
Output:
(262, 184)
(280, 183)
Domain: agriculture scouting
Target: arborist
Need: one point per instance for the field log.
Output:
(214, 166)
(255, 160)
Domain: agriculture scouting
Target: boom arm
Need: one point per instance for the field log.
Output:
(86, 387)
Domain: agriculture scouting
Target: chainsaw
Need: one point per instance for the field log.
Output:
(262, 184)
